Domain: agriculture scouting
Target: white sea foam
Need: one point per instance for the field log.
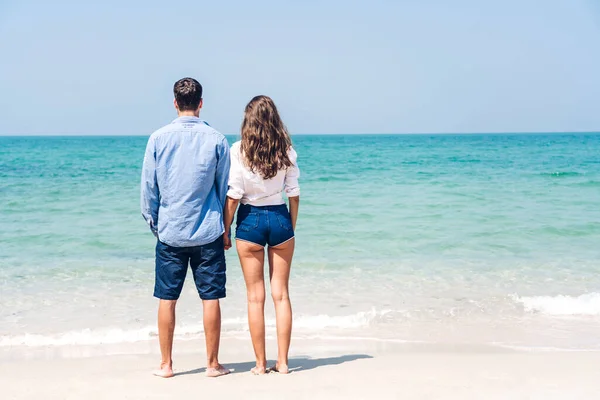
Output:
(543, 349)
(83, 337)
(87, 337)
(358, 320)
(586, 304)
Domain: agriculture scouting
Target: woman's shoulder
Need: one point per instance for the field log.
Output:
(235, 148)
(292, 153)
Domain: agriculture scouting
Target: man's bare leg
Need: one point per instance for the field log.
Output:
(212, 331)
(166, 329)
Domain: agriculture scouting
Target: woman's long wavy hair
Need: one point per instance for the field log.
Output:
(265, 139)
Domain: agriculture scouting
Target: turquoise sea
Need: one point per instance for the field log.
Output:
(489, 239)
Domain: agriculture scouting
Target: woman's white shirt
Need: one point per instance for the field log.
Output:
(251, 188)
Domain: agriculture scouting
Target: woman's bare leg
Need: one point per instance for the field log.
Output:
(252, 259)
(280, 262)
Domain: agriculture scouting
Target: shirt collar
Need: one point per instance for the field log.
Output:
(186, 120)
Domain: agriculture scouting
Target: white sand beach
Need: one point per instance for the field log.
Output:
(320, 370)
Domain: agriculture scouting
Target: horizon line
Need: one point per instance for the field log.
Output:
(50, 135)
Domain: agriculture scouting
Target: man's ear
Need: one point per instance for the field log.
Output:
(175, 104)
(201, 104)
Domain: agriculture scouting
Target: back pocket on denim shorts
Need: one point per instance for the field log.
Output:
(285, 221)
(248, 223)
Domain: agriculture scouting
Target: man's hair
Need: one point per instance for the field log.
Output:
(188, 94)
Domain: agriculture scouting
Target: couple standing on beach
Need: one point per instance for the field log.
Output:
(192, 184)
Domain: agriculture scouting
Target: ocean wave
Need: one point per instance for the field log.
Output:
(82, 338)
(588, 184)
(358, 320)
(586, 304)
(89, 337)
(562, 174)
(543, 349)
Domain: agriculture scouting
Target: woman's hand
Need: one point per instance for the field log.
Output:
(294, 206)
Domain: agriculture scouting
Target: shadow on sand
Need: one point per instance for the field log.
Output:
(297, 364)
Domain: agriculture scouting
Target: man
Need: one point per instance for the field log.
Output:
(184, 185)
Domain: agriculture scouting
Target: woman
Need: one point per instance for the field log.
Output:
(263, 166)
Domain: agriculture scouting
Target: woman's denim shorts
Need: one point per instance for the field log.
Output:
(266, 225)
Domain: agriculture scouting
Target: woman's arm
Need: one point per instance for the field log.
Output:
(234, 194)
(292, 188)
(294, 205)
(230, 208)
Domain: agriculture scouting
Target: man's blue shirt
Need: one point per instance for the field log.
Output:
(184, 183)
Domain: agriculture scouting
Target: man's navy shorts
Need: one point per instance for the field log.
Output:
(207, 263)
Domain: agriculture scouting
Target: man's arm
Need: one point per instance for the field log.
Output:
(150, 195)
(222, 174)
(230, 208)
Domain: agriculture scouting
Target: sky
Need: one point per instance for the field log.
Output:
(420, 66)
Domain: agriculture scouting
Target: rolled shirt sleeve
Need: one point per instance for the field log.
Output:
(150, 194)
(291, 185)
(236, 178)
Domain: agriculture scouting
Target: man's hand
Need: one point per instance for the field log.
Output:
(227, 240)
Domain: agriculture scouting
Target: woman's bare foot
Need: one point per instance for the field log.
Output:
(216, 372)
(259, 370)
(165, 371)
(281, 368)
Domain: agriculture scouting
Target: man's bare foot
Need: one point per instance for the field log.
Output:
(281, 368)
(216, 372)
(165, 371)
(259, 370)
